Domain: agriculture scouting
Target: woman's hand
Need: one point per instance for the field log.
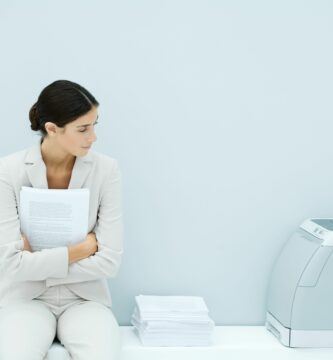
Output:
(83, 249)
(27, 246)
(91, 243)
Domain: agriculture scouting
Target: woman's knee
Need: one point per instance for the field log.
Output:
(90, 330)
(27, 330)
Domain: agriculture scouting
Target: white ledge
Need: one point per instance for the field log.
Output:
(228, 343)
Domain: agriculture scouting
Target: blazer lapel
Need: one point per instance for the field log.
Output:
(36, 169)
(81, 169)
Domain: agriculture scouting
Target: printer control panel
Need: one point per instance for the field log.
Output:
(318, 231)
(320, 228)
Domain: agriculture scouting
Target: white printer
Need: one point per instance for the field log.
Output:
(300, 294)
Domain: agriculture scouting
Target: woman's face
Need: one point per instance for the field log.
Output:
(77, 137)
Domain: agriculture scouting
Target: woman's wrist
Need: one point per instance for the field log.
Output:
(83, 249)
(77, 252)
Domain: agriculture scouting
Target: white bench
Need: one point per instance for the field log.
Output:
(229, 343)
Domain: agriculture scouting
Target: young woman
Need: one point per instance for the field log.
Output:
(60, 292)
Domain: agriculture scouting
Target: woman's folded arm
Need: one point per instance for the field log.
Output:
(109, 233)
(15, 263)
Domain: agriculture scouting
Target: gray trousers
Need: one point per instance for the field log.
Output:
(87, 329)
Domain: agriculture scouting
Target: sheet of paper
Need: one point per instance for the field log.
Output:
(54, 217)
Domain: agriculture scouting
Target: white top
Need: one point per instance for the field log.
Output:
(230, 343)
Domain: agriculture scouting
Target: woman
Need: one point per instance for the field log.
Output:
(60, 292)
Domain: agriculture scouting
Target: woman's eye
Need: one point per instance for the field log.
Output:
(86, 128)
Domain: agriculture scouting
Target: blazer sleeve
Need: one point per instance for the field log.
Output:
(109, 233)
(15, 263)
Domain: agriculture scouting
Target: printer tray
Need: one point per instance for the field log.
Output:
(299, 338)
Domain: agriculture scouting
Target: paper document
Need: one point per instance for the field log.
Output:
(172, 320)
(54, 217)
(171, 304)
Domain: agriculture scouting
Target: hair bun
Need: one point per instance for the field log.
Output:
(33, 116)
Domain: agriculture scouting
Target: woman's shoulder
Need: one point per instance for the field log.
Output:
(105, 167)
(103, 160)
(14, 157)
(12, 165)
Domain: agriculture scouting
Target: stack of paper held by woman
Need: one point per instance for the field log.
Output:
(54, 217)
(172, 321)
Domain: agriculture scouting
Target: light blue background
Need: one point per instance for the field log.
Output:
(220, 115)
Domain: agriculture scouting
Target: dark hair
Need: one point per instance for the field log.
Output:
(61, 102)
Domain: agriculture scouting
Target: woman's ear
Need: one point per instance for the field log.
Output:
(51, 128)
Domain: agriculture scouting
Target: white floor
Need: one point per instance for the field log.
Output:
(229, 343)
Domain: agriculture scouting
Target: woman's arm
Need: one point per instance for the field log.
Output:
(109, 234)
(15, 264)
(83, 249)
(76, 252)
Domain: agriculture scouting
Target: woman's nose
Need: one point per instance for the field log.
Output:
(92, 137)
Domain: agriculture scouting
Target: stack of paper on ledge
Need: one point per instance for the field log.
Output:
(172, 321)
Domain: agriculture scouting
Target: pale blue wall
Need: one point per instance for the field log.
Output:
(220, 114)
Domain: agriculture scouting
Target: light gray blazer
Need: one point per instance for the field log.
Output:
(25, 275)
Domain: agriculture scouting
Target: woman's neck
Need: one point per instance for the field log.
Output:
(55, 158)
